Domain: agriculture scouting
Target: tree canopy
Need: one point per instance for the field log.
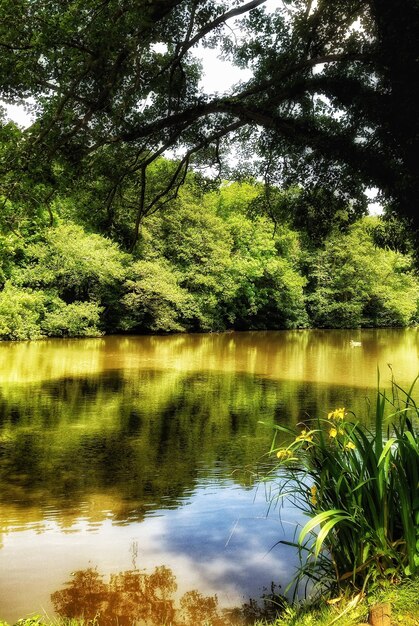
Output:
(331, 102)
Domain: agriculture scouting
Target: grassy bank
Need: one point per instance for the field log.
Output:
(403, 599)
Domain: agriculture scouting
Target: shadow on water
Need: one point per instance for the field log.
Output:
(135, 596)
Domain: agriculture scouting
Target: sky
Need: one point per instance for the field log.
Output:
(17, 114)
(219, 75)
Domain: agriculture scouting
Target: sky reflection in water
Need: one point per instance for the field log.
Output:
(220, 541)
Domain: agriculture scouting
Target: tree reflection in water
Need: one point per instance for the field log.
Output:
(134, 596)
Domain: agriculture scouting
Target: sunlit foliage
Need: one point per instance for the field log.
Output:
(209, 260)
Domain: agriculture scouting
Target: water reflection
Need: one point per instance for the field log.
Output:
(161, 439)
(313, 356)
(135, 596)
(219, 541)
(127, 443)
(133, 441)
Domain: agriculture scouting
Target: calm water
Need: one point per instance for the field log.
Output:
(131, 453)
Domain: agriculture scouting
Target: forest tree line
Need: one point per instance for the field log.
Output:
(219, 256)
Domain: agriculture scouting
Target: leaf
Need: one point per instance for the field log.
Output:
(325, 531)
(317, 520)
(386, 449)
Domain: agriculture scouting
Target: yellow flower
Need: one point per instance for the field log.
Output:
(333, 432)
(284, 454)
(340, 413)
(350, 446)
(337, 414)
(313, 497)
(304, 436)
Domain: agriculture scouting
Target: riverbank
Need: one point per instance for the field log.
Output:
(403, 600)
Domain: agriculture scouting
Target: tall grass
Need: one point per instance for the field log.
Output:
(360, 488)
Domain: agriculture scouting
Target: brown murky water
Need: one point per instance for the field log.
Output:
(127, 454)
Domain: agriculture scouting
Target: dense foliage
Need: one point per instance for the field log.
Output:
(211, 260)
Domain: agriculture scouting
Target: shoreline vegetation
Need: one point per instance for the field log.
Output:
(358, 485)
(213, 260)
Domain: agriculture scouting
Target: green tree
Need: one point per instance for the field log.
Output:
(78, 264)
(64, 282)
(21, 311)
(238, 271)
(269, 283)
(331, 101)
(197, 244)
(154, 300)
(356, 283)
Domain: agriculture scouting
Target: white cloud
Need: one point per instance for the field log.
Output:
(18, 113)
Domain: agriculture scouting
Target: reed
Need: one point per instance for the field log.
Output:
(360, 489)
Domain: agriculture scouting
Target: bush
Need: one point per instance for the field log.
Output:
(154, 300)
(28, 314)
(79, 319)
(354, 283)
(20, 313)
(78, 265)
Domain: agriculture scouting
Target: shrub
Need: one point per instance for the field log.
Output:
(28, 314)
(353, 283)
(154, 300)
(78, 265)
(20, 313)
(79, 319)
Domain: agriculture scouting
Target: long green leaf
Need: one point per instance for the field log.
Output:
(317, 520)
(386, 450)
(326, 530)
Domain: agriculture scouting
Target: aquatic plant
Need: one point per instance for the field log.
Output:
(359, 487)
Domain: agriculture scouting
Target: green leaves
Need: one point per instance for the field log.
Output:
(331, 102)
(60, 284)
(206, 260)
(154, 300)
(354, 283)
(327, 521)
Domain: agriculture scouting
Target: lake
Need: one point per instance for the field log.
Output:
(127, 454)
